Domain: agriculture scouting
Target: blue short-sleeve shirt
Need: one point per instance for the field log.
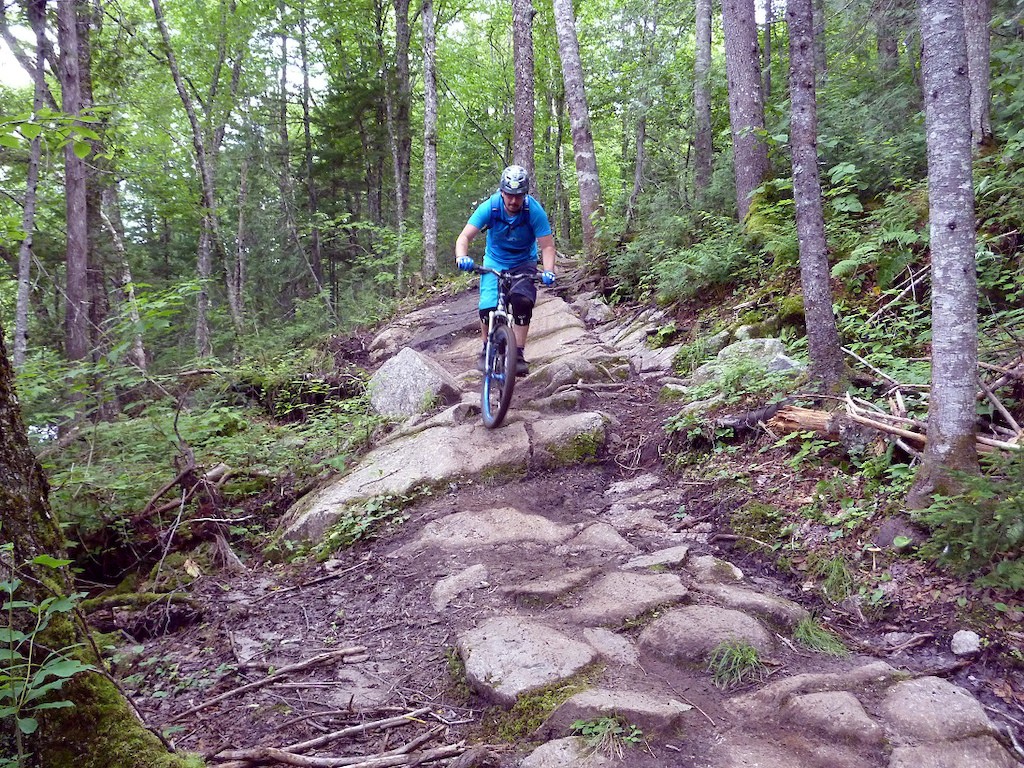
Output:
(511, 241)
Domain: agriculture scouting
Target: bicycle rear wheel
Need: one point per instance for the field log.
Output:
(499, 377)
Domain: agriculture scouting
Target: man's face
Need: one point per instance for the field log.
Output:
(513, 203)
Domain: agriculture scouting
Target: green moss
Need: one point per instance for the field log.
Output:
(581, 449)
(101, 731)
(758, 522)
(531, 710)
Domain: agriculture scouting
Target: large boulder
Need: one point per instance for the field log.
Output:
(410, 383)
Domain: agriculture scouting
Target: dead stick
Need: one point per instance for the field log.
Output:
(999, 407)
(298, 667)
(391, 722)
(365, 761)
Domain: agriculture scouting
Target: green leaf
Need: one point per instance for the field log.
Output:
(82, 149)
(50, 562)
(27, 725)
(30, 130)
(7, 140)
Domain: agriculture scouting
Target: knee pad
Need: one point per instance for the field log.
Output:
(522, 308)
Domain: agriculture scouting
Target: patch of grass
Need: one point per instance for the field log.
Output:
(811, 634)
(457, 674)
(608, 736)
(359, 522)
(837, 580)
(734, 663)
(531, 710)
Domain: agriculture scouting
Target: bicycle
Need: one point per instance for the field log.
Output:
(501, 354)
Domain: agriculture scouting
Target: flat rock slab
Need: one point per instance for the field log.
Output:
(652, 714)
(620, 596)
(765, 702)
(689, 634)
(436, 454)
(612, 647)
(486, 528)
(838, 715)
(775, 610)
(508, 656)
(396, 468)
(599, 538)
(449, 588)
(570, 752)
(547, 589)
(931, 709)
(742, 751)
(664, 557)
(979, 752)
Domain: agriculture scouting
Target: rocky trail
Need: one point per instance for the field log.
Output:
(530, 592)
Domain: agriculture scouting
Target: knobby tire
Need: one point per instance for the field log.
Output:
(499, 377)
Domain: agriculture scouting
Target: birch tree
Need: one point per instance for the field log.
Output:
(977, 17)
(822, 336)
(523, 98)
(746, 102)
(951, 406)
(429, 143)
(37, 20)
(76, 290)
(579, 118)
(702, 146)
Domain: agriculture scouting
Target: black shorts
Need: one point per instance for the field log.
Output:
(522, 297)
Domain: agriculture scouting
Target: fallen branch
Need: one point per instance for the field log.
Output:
(259, 753)
(383, 760)
(133, 600)
(270, 679)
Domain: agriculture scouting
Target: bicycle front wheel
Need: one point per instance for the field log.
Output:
(499, 376)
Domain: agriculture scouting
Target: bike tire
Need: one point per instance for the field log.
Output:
(499, 377)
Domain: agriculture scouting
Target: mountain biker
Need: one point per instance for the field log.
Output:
(516, 226)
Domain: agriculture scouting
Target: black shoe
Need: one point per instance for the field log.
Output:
(481, 362)
(522, 367)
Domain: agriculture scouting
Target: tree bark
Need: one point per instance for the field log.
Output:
(579, 118)
(522, 56)
(312, 202)
(977, 16)
(886, 46)
(702, 142)
(561, 191)
(101, 730)
(429, 143)
(115, 230)
(37, 20)
(76, 311)
(824, 349)
(766, 66)
(746, 103)
(951, 407)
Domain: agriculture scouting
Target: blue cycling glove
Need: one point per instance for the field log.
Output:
(465, 263)
(547, 277)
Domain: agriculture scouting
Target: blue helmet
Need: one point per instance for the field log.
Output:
(515, 180)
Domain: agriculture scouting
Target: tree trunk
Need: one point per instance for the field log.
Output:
(37, 19)
(638, 170)
(823, 344)
(951, 407)
(882, 13)
(312, 203)
(746, 105)
(766, 66)
(76, 312)
(115, 230)
(977, 16)
(820, 57)
(579, 118)
(429, 144)
(561, 191)
(522, 55)
(101, 730)
(702, 140)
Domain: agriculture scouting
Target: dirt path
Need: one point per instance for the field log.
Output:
(586, 582)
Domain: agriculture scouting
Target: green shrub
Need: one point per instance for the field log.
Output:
(981, 529)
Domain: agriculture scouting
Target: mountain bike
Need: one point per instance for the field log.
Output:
(500, 352)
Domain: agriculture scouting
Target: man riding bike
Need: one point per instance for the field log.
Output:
(516, 226)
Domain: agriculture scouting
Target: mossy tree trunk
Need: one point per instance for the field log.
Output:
(101, 730)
